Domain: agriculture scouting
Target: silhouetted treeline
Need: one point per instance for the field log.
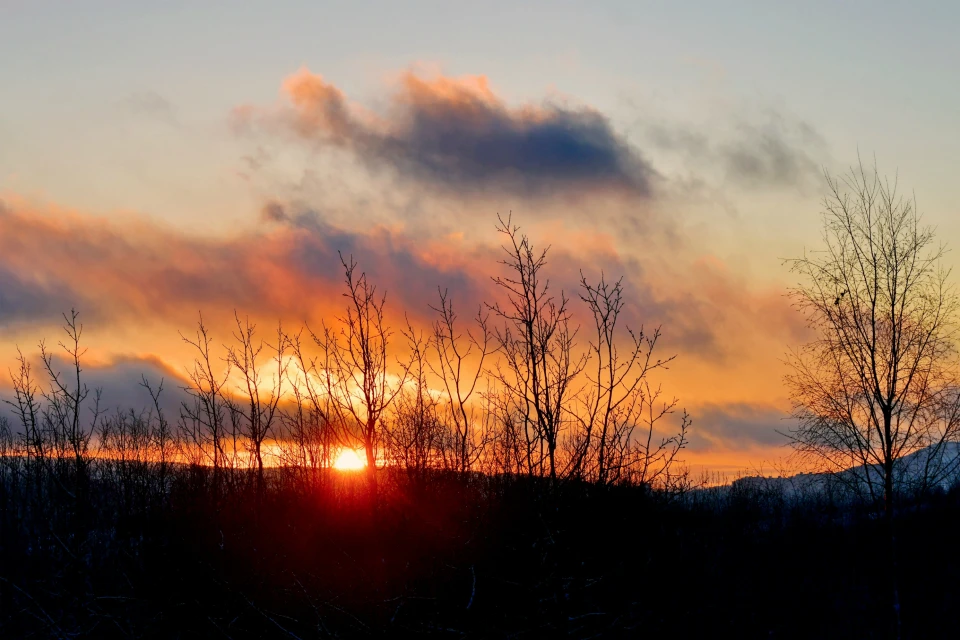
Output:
(521, 480)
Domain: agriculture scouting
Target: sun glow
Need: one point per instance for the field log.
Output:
(349, 460)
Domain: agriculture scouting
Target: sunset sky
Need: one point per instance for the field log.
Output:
(164, 158)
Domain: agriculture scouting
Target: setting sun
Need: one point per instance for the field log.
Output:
(349, 460)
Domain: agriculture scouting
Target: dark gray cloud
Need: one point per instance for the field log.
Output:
(120, 382)
(120, 385)
(395, 262)
(773, 155)
(457, 135)
(444, 145)
(772, 151)
(23, 298)
(682, 316)
(26, 292)
(738, 426)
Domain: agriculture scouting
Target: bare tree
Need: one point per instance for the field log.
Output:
(308, 425)
(65, 398)
(259, 396)
(536, 342)
(356, 372)
(460, 364)
(879, 381)
(163, 439)
(26, 406)
(416, 435)
(203, 418)
(621, 411)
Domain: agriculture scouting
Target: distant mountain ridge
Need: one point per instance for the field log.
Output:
(929, 468)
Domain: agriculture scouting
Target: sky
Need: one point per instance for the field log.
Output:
(162, 159)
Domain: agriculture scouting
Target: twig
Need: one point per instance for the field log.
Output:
(58, 630)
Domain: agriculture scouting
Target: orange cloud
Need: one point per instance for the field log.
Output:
(320, 107)
(133, 268)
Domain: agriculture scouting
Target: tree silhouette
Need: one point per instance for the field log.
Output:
(538, 365)
(356, 354)
(259, 397)
(460, 363)
(879, 381)
(621, 411)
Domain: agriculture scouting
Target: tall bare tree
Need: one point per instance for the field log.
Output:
(879, 381)
(416, 434)
(310, 435)
(26, 406)
(537, 346)
(162, 437)
(621, 412)
(260, 387)
(460, 363)
(66, 396)
(356, 373)
(203, 417)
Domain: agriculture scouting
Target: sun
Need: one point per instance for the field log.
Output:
(349, 460)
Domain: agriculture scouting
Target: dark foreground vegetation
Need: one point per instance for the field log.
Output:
(455, 555)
